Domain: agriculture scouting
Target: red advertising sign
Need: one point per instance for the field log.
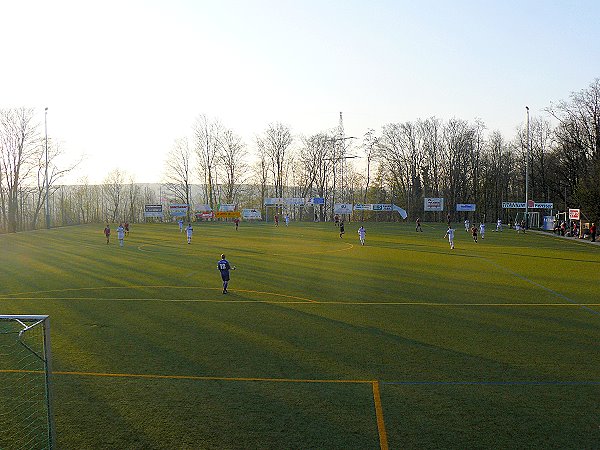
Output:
(574, 214)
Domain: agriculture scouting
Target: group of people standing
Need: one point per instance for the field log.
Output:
(342, 229)
(122, 231)
(472, 229)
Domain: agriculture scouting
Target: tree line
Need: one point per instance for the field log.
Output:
(401, 163)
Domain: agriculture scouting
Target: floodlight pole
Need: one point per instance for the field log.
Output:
(337, 158)
(527, 174)
(47, 181)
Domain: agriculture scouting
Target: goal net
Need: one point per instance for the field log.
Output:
(25, 398)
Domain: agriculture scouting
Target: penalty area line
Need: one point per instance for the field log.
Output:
(18, 295)
(383, 442)
(190, 377)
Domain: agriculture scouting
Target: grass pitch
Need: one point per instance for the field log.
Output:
(321, 343)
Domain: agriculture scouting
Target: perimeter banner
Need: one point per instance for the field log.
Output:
(227, 214)
(465, 207)
(342, 208)
(226, 207)
(274, 201)
(251, 214)
(400, 211)
(178, 210)
(373, 207)
(292, 201)
(153, 211)
(530, 204)
(433, 204)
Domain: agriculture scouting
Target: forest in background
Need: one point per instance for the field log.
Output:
(402, 163)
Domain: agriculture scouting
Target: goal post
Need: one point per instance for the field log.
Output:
(26, 419)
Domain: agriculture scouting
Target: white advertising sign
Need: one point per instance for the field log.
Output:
(178, 210)
(521, 205)
(342, 208)
(273, 201)
(433, 204)
(153, 211)
(251, 214)
(295, 201)
(227, 207)
(382, 206)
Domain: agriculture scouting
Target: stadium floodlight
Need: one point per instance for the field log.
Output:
(26, 419)
(337, 158)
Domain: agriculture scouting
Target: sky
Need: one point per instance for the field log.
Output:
(122, 80)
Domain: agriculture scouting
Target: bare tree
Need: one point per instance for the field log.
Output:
(275, 144)
(401, 149)
(207, 143)
(458, 142)
(18, 139)
(577, 151)
(261, 175)
(134, 201)
(86, 201)
(431, 131)
(178, 173)
(55, 174)
(231, 158)
(113, 190)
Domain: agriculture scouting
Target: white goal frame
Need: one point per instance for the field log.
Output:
(27, 322)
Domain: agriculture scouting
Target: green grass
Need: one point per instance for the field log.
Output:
(489, 345)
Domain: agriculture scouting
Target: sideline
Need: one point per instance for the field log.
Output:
(568, 238)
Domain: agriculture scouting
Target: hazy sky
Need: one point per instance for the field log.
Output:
(123, 79)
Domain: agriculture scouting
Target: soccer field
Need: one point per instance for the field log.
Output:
(320, 343)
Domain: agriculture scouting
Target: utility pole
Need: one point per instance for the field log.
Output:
(527, 175)
(47, 181)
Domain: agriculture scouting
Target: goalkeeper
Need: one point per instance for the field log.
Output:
(224, 268)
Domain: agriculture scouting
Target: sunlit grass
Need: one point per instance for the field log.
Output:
(307, 305)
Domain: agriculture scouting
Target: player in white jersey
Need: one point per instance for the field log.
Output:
(180, 222)
(450, 235)
(361, 235)
(467, 225)
(482, 230)
(287, 220)
(121, 234)
(189, 230)
(499, 225)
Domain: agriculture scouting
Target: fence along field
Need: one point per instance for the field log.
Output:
(321, 342)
